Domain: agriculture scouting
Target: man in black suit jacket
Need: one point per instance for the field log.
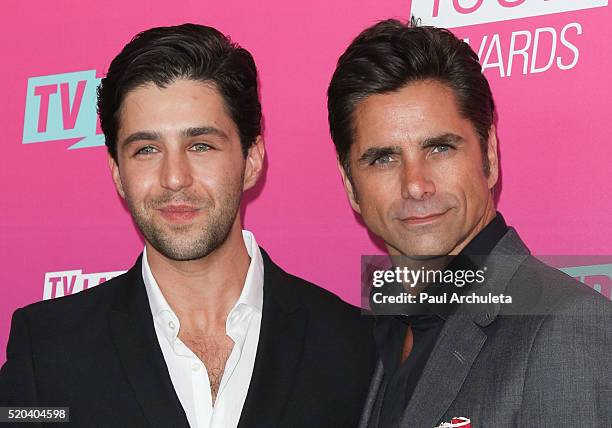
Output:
(97, 352)
(181, 116)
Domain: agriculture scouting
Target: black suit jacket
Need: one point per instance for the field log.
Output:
(97, 352)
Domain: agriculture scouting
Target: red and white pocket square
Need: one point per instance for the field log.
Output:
(456, 422)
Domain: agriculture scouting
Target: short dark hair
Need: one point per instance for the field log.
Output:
(164, 55)
(390, 55)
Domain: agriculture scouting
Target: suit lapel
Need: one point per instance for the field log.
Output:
(458, 346)
(133, 333)
(373, 392)
(279, 351)
(462, 339)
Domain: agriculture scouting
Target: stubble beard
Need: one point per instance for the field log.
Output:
(188, 241)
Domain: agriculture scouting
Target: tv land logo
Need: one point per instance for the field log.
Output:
(528, 51)
(64, 283)
(62, 107)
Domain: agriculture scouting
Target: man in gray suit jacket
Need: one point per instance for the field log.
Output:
(412, 118)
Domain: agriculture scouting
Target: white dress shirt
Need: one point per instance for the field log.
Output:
(188, 373)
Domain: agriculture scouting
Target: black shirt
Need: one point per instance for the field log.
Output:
(390, 332)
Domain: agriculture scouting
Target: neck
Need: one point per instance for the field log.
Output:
(202, 292)
(489, 214)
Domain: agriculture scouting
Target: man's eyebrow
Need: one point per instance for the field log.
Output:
(142, 135)
(204, 130)
(185, 133)
(373, 153)
(446, 138)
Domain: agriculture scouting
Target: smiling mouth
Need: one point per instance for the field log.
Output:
(178, 213)
(422, 220)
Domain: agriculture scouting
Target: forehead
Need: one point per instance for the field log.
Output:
(179, 105)
(413, 113)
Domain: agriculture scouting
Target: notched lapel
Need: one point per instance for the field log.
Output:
(462, 338)
(133, 333)
(459, 344)
(279, 351)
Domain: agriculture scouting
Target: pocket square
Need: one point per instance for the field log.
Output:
(456, 422)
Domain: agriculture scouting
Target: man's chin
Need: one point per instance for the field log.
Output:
(422, 252)
(181, 254)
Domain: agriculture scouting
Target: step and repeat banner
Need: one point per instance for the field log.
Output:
(64, 229)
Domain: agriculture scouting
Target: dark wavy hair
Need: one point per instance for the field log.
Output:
(165, 54)
(390, 55)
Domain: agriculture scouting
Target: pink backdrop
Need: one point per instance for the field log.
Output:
(61, 213)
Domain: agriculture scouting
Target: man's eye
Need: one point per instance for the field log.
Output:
(200, 147)
(146, 150)
(441, 148)
(382, 160)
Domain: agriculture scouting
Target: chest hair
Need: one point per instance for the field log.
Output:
(213, 351)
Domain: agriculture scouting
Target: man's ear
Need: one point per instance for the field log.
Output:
(114, 167)
(254, 163)
(348, 187)
(493, 158)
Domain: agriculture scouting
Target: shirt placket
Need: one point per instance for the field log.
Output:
(236, 328)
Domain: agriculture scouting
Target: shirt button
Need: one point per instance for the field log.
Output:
(171, 325)
(195, 367)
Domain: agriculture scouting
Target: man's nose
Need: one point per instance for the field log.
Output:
(176, 171)
(416, 182)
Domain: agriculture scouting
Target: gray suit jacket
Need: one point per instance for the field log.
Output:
(549, 368)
